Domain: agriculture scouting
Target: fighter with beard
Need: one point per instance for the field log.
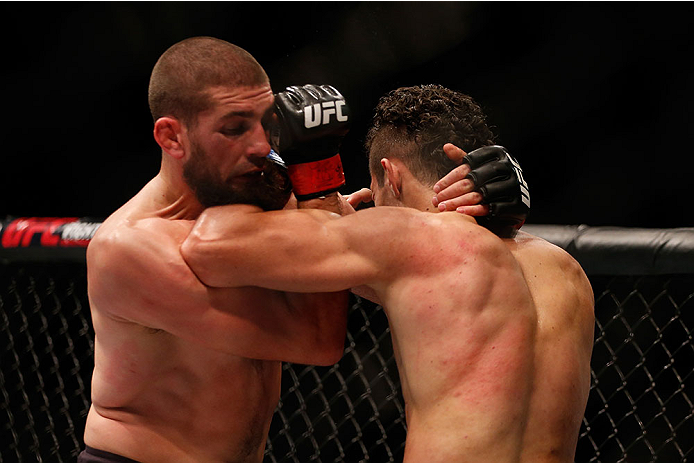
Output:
(269, 190)
(179, 376)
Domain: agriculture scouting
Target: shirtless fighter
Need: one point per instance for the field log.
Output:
(492, 336)
(184, 372)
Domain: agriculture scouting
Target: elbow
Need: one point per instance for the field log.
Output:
(321, 351)
(327, 346)
(196, 254)
(329, 354)
(334, 348)
(336, 354)
(320, 356)
(331, 344)
(324, 351)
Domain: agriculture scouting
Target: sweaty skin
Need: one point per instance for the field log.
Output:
(184, 372)
(492, 337)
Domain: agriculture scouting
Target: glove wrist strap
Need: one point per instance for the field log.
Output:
(317, 177)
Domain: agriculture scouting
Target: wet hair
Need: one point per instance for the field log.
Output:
(183, 74)
(413, 123)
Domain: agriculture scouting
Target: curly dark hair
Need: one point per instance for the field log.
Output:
(413, 123)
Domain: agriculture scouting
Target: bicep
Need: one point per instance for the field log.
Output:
(300, 251)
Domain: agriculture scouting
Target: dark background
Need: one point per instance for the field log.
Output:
(594, 99)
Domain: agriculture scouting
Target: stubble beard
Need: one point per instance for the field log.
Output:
(269, 190)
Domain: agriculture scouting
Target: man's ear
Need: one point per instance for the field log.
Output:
(392, 176)
(167, 134)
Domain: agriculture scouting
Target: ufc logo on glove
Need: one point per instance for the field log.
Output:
(525, 194)
(313, 116)
(312, 119)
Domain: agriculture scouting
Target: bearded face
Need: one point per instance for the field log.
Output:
(269, 189)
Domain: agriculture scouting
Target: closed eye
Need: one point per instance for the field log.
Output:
(234, 130)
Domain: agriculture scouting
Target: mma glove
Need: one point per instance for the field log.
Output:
(312, 120)
(499, 179)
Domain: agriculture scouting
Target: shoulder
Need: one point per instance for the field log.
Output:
(411, 240)
(554, 266)
(125, 249)
(122, 234)
(548, 254)
(409, 221)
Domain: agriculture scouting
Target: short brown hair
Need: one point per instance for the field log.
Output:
(183, 73)
(413, 123)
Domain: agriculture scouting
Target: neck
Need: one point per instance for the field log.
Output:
(172, 197)
(417, 196)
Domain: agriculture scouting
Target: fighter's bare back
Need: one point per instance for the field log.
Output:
(502, 373)
(493, 339)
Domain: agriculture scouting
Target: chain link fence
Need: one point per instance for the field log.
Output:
(639, 409)
(640, 405)
(46, 359)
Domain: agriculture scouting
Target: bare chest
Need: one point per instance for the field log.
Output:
(184, 390)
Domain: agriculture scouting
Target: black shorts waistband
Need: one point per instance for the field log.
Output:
(92, 455)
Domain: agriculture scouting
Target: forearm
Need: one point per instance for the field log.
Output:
(233, 246)
(330, 202)
(322, 318)
(323, 314)
(299, 251)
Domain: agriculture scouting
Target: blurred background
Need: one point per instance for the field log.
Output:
(594, 99)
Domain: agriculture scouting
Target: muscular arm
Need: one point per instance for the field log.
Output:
(138, 275)
(305, 250)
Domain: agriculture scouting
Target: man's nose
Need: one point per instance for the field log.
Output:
(259, 144)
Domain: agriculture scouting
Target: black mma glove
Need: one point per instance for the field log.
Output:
(499, 178)
(312, 122)
(277, 180)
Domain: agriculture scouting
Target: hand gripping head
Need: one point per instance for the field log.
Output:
(499, 179)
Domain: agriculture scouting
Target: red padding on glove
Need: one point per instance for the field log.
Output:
(317, 176)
